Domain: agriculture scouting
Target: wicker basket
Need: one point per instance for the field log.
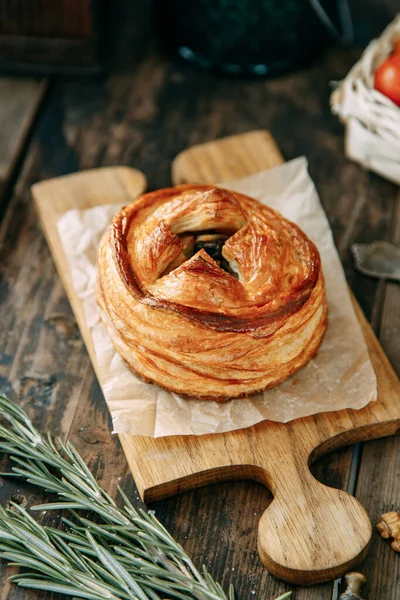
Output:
(372, 120)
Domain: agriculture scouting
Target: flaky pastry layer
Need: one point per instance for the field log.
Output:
(182, 321)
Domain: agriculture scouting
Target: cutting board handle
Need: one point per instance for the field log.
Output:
(310, 532)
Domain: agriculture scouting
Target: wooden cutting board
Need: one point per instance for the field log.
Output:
(310, 532)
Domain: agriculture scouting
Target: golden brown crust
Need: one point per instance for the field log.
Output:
(187, 324)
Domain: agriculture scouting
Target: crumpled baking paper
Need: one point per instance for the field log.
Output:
(372, 120)
(340, 376)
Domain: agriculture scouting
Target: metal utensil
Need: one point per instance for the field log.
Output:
(377, 259)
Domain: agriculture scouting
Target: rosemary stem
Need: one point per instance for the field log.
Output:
(120, 554)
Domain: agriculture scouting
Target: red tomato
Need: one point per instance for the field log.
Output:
(387, 78)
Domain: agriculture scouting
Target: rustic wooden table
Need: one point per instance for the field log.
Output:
(142, 114)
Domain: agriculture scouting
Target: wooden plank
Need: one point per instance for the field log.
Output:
(40, 345)
(389, 333)
(379, 477)
(48, 56)
(379, 490)
(19, 102)
(42, 356)
(41, 360)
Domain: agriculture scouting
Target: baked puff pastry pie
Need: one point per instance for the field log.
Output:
(210, 294)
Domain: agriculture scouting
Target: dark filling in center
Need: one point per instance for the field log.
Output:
(212, 243)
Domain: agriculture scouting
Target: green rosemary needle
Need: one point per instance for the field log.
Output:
(126, 554)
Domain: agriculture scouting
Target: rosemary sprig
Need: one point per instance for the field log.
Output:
(127, 555)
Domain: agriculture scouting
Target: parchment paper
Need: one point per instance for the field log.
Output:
(341, 375)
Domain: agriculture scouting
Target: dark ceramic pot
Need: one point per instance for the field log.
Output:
(257, 37)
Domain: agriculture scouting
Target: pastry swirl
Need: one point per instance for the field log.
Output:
(209, 293)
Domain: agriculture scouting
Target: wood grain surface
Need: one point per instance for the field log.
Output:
(147, 110)
(19, 102)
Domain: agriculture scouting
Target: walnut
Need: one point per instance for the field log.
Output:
(389, 527)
